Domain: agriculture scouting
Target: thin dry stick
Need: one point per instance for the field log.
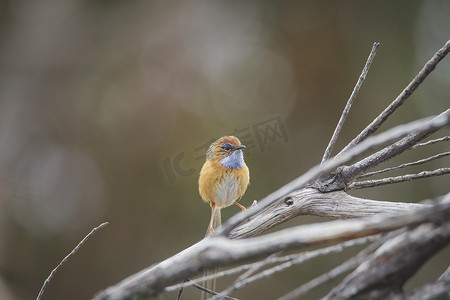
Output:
(202, 288)
(296, 259)
(418, 162)
(47, 281)
(220, 274)
(442, 139)
(350, 100)
(180, 291)
(412, 86)
(397, 179)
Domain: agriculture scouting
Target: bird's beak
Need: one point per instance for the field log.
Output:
(240, 147)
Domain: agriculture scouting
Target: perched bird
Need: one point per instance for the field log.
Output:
(224, 177)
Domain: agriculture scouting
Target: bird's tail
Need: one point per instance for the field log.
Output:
(211, 284)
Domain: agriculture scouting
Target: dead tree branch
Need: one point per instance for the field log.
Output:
(309, 201)
(217, 250)
(398, 179)
(401, 257)
(415, 163)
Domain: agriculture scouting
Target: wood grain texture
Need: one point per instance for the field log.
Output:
(309, 201)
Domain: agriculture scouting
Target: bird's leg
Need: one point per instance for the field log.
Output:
(240, 206)
(213, 207)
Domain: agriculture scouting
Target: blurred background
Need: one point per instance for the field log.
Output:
(107, 107)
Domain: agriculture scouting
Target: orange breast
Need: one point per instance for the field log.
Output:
(220, 185)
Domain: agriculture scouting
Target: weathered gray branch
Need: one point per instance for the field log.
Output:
(220, 251)
(401, 256)
(414, 163)
(442, 139)
(309, 201)
(398, 179)
(433, 291)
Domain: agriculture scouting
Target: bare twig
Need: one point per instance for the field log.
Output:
(442, 139)
(412, 86)
(397, 179)
(415, 163)
(47, 281)
(358, 85)
(180, 291)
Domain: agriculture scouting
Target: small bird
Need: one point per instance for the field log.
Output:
(224, 177)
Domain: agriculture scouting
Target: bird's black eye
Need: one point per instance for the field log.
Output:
(227, 147)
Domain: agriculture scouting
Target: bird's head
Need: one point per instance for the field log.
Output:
(228, 150)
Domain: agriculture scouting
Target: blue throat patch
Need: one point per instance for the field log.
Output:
(233, 161)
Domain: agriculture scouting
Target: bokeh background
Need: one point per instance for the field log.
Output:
(106, 108)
